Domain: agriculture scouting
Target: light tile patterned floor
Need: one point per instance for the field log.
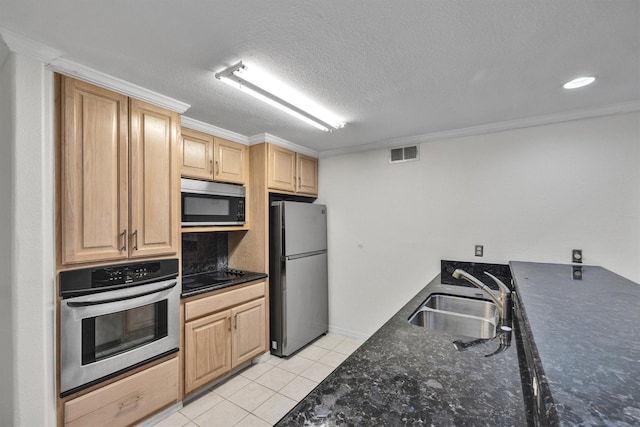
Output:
(263, 393)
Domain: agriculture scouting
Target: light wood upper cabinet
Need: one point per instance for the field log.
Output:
(281, 169)
(118, 174)
(292, 172)
(197, 154)
(229, 161)
(154, 180)
(307, 168)
(211, 158)
(94, 164)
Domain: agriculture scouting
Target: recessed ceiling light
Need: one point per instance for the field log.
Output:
(579, 82)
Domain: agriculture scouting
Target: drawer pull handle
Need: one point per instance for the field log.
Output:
(131, 402)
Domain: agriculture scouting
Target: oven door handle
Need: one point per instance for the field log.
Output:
(123, 294)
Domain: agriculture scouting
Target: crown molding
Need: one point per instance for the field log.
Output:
(491, 128)
(194, 124)
(272, 139)
(54, 61)
(22, 45)
(74, 69)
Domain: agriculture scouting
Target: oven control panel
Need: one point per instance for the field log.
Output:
(88, 280)
(124, 274)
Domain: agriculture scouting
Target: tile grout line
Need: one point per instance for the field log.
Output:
(338, 356)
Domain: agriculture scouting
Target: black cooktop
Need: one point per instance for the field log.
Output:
(203, 280)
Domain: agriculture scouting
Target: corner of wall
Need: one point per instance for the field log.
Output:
(7, 95)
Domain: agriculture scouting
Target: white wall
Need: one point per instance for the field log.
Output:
(6, 322)
(529, 194)
(27, 249)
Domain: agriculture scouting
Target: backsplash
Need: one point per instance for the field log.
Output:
(476, 269)
(204, 252)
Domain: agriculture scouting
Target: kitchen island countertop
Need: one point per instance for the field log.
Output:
(408, 375)
(585, 341)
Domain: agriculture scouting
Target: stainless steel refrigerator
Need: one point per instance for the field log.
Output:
(298, 289)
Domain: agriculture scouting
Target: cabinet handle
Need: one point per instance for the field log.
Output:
(235, 321)
(135, 234)
(131, 402)
(211, 165)
(217, 168)
(229, 319)
(299, 183)
(124, 241)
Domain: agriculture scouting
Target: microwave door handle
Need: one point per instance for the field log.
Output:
(124, 294)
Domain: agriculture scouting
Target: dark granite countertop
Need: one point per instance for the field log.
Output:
(586, 342)
(409, 375)
(249, 276)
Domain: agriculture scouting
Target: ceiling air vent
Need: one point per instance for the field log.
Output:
(404, 154)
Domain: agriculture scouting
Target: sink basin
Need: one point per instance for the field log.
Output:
(457, 315)
(462, 305)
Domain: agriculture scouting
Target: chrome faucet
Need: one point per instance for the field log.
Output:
(502, 303)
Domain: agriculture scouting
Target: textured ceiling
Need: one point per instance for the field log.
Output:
(391, 69)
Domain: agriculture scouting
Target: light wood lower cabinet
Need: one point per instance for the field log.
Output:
(223, 331)
(208, 347)
(126, 401)
(248, 337)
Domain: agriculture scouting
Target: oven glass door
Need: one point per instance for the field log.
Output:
(207, 209)
(109, 334)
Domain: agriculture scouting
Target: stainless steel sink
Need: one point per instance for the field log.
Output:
(457, 315)
(462, 305)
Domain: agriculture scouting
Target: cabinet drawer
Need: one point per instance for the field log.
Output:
(126, 401)
(221, 301)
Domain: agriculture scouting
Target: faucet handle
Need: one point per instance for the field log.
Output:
(503, 288)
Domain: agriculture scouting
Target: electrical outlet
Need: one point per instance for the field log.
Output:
(479, 250)
(576, 256)
(576, 272)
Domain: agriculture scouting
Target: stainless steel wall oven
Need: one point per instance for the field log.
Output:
(116, 318)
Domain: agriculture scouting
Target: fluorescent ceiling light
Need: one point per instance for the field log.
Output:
(231, 76)
(579, 82)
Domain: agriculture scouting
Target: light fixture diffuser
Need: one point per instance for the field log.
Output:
(579, 82)
(230, 76)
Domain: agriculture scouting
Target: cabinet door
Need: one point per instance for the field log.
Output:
(93, 173)
(248, 336)
(197, 154)
(207, 349)
(281, 169)
(154, 192)
(307, 168)
(229, 161)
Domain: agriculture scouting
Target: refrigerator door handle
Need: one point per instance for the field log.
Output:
(305, 255)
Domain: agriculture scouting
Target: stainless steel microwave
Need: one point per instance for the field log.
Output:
(212, 203)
